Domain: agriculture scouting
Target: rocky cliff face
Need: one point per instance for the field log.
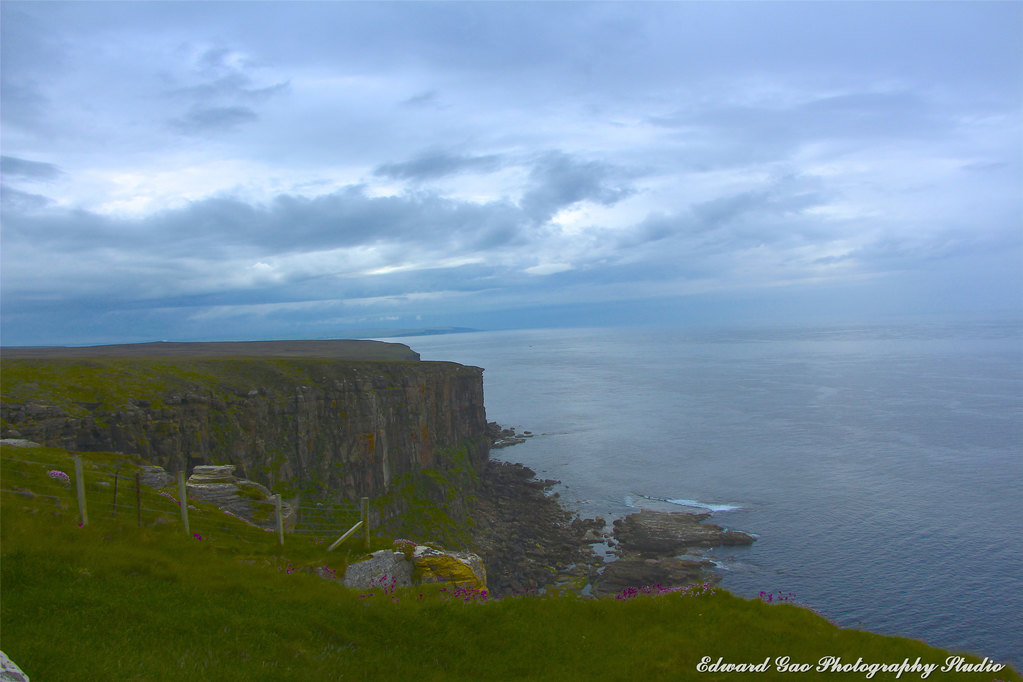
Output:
(322, 429)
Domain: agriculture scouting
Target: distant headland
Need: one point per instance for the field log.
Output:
(340, 349)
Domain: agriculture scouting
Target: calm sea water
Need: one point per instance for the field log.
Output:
(880, 465)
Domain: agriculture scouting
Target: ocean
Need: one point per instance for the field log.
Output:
(879, 465)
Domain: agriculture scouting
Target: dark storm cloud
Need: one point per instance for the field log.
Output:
(213, 119)
(220, 227)
(350, 218)
(430, 98)
(223, 95)
(558, 180)
(223, 75)
(785, 197)
(231, 87)
(438, 164)
(11, 165)
(16, 201)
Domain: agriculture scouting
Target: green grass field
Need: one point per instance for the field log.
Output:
(113, 601)
(73, 383)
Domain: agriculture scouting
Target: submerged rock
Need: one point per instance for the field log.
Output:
(501, 437)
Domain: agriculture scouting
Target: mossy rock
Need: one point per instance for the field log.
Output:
(460, 569)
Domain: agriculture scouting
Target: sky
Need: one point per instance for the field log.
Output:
(235, 171)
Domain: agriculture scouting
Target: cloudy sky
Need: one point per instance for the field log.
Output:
(190, 171)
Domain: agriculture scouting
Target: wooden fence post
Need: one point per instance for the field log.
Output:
(365, 518)
(117, 471)
(182, 497)
(138, 496)
(344, 537)
(80, 484)
(280, 519)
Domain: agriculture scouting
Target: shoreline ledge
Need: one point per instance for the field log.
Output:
(531, 543)
(649, 543)
(501, 437)
(650, 534)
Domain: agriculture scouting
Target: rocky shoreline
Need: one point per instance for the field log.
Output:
(527, 540)
(530, 543)
(501, 437)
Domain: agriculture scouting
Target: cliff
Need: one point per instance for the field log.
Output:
(318, 428)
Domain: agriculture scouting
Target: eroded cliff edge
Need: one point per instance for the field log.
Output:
(319, 428)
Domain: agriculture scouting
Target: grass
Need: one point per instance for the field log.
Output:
(75, 383)
(111, 600)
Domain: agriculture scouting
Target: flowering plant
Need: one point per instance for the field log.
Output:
(385, 582)
(406, 547)
(176, 500)
(388, 584)
(466, 594)
(687, 591)
(59, 476)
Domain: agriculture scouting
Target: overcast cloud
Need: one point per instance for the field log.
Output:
(284, 170)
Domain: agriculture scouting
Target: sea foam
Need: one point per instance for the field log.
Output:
(695, 503)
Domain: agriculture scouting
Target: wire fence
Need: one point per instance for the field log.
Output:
(120, 495)
(324, 518)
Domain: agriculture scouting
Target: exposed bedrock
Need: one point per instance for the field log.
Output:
(653, 533)
(316, 428)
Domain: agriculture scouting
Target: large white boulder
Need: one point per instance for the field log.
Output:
(379, 570)
(9, 671)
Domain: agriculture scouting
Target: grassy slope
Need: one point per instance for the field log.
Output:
(113, 601)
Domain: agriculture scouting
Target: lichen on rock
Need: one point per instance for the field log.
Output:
(423, 564)
(461, 569)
